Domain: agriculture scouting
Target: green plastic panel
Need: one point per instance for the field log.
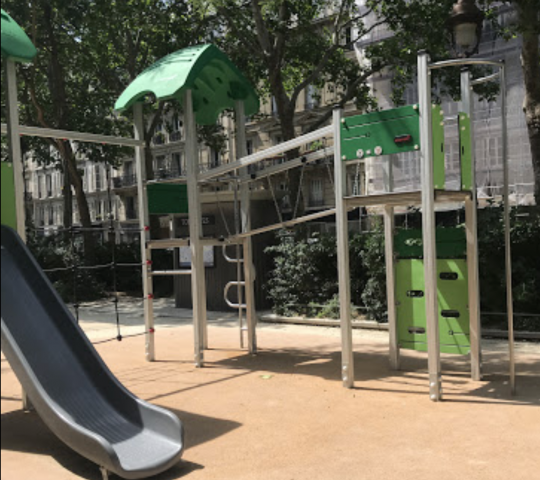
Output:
(215, 81)
(167, 199)
(452, 292)
(451, 243)
(15, 43)
(380, 133)
(439, 172)
(9, 209)
(465, 150)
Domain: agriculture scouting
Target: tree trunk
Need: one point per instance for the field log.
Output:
(530, 58)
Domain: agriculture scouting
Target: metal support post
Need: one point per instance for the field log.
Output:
(507, 235)
(245, 219)
(14, 142)
(104, 473)
(429, 227)
(389, 228)
(144, 225)
(471, 224)
(342, 229)
(15, 154)
(198, 282)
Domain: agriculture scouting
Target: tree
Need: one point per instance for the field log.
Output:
(89, 52)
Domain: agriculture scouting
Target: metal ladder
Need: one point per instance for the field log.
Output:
(240, 285)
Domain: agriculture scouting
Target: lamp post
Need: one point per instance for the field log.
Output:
(465, 25)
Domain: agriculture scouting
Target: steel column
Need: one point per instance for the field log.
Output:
(429, 227)
(198, 281)
(342, 230)
(471, 224)
(144, 225)
(507, 234)
(389, 228)
(245, 219)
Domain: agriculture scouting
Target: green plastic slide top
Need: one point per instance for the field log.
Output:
(215, 81)
(9, 210)
(15, 43)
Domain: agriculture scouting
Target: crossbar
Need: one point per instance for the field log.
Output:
(76, 136)
(268, 153)
(290, 223)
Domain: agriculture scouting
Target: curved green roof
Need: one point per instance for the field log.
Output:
(215, 81)
(15, 43)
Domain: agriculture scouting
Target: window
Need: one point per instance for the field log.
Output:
(97, 170)
(249, 147)
(39, 182)
(215, 158)
(177, 164)
(177, 127)
(50, 215)
(274, 106)
(131, 213)
(316, 193)
(312, 100)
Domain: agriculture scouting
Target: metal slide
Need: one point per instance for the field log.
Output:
(69, 385)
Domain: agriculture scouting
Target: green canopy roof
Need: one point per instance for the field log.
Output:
(15, 43)
(215, 81)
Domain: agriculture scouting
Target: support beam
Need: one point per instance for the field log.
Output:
(389, 229)
(471, 225)
(81, 137)
(144, 225)
(428, 228)
(268, 153)
(104, 473)
(198, 281)
(342, 230)
(507, 234)
(245, 222)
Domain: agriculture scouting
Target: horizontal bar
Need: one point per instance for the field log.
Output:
(76, 136)
(405, 198)
(268, 153)
(184, 242)
(463, 62)
(487, 79)
(288, 165)
(170, 273)
(290, 223)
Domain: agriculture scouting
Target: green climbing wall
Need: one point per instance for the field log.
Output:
(9, 211)
(452, 291)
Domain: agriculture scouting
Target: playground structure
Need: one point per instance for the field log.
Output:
(206, 83)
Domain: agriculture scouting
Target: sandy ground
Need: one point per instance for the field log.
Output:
(283, 414)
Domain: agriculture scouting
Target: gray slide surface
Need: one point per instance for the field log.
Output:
(67, 382)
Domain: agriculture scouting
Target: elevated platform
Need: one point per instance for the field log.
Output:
(405, 199)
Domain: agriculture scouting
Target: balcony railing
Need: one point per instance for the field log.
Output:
(175, 136)
(169, 173)
(125, 181)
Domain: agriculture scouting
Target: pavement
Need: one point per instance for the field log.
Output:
(283, 414)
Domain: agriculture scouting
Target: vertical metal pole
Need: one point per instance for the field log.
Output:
(14, 142)
(245, 205)
(198, 282)
(507, 235)
(471, 225)
(342, 229)
(389, 228)
(429, 228)
(15, 154)
(144, 226)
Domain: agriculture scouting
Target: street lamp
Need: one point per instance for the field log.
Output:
(465, 25)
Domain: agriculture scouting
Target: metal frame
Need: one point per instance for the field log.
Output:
(342, 230)
(198, 280)
(471, 226)
(245, 224)
(428, 228)
(144, 225)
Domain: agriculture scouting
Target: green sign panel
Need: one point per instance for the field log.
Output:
(167, 199)
(9, 209)
(380, 133)
(465, 151)
(452, 294)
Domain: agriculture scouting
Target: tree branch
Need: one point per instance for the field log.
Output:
(262, 31)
